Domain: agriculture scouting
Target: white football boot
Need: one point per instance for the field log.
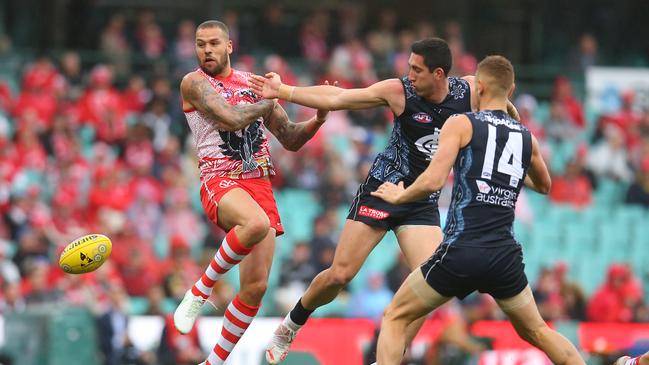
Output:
(622, 360)
(278, 347)
(187, 311)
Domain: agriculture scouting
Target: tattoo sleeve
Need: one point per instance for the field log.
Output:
(291, 135)
(205, 99)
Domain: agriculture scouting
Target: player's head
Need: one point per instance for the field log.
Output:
(213, 47)
(430, 62)
(494, 78)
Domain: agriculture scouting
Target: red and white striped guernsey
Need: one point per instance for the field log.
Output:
(242, 154)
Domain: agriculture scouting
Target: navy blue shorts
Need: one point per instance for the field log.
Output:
(376, 212)
(456, 271)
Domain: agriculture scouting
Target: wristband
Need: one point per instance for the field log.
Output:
(286, 92)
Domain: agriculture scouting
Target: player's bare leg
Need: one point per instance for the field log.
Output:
(247, 224)
(356, 242)
(524, 315)
(255, 269)
(414, 299)
(253, 278)
(417, 244)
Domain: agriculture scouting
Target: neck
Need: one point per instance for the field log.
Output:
(227, 70)
(493, 103)
(439, 94)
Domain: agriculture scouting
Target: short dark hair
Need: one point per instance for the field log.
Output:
(214, 24)
(499, 70)
(435, 52)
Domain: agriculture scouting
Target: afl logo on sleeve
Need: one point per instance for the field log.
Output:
(428, 144)
(422, 118)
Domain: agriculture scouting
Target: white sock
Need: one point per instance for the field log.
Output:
(288, 322)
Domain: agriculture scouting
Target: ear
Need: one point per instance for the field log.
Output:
(511, 91)
(439, 73)
(229, 47)
(479, 86)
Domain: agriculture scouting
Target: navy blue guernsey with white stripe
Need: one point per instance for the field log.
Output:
(489, 173)
(416, 133)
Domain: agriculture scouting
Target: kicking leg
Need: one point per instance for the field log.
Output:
(247, 224)
(253, 276)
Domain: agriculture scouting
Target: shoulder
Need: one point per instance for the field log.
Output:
(188, 80)
(465, 82)
(469, 79)
(459, 120)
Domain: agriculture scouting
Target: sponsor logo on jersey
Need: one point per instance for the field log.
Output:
(496, 195)
(366, 211)
(422, 118)
(226, 93)
(483, 186)
(224, 184)
(428, 144)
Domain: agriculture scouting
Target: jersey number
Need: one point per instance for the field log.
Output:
(513, 152)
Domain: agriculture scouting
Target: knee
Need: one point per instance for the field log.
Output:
(254, 291)
(339, 276)
(257, 228)
(533, 334)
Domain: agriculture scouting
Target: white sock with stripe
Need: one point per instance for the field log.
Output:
(229, 254)
(236, 320)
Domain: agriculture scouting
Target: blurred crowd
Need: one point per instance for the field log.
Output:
(105, 148)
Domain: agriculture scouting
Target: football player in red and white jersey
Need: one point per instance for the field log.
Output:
(228, 122)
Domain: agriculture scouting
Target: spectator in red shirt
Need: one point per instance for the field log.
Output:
(615, 299)
(102, 107)
(563, 94)
(626, 119)
(572, 188)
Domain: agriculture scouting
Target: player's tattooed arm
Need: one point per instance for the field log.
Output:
(293, 135)
(197, 91)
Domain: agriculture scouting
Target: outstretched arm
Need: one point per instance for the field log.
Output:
(383, 93)
(293, 135)
(197, 91)
(455, 134)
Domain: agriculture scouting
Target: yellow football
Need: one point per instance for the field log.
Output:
(85, 254)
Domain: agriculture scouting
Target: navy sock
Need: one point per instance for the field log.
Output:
(299, 314)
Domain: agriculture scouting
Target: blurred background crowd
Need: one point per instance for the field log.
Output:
(93, 139)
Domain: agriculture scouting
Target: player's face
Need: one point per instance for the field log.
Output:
(423, 79)
(213, 49)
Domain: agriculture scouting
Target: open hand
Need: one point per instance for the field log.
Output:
(389, 192)
(266, 86)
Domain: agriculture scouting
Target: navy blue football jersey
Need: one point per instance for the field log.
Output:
(416, 131)
(489, 173)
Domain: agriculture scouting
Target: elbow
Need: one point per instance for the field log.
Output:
(545, 187)
(230, 125)
(435, 185)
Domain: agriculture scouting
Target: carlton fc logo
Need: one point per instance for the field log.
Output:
(422, 118)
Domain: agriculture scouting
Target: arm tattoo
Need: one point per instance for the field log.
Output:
(291, 135)
(230, 117)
